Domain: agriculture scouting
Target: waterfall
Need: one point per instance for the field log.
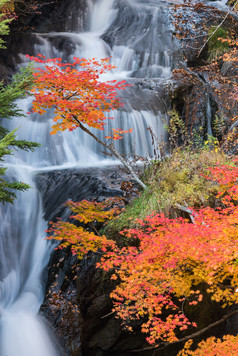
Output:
(208, 115)
(137, 36)
(23, 256)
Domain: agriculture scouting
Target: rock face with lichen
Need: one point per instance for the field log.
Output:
(202, 90)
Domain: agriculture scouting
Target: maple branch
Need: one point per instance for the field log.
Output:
(191, 336)
(220, 24)
(113, 150)
(71, 95)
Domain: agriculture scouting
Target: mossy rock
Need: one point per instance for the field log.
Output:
(216, 44)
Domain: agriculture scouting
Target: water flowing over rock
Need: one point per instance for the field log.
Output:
(137, 35)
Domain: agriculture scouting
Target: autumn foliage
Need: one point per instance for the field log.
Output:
(228, 346)
(81, 234)
(164, 261)
(7, 9)
(76, 93)
(170, 258)
(79, 98)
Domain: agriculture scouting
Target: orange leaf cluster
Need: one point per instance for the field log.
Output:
(228, 346)
(75, 92)
(117, 134)
(227, 177)
(7, 10)
(80, 238)
(161, 271)
(171, 257)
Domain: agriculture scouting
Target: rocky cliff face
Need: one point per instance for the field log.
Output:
(202, 90)
(77, 299)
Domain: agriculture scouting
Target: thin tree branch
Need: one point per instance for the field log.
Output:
(105, 316)
(114, 151)
(220, 24)
(191, 336)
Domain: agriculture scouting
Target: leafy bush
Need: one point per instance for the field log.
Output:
(176, 180)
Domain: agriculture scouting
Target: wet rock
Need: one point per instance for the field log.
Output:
(197, 18)
(51, 16)
(230, 69)
(59, 186)
(102, 334)
(74, 301)
(106, 337)
(60, 306)
(190, 100)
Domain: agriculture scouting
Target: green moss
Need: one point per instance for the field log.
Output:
(216, 45)
(176, 180)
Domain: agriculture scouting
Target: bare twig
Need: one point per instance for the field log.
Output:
(220, 24)
(105, 316)
(114, 151)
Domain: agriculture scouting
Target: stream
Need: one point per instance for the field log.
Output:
(137, 35)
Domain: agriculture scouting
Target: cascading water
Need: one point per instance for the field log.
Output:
(23, 255)
(136, 34)
(209, 115)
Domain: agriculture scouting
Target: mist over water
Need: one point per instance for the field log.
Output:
(137, 36)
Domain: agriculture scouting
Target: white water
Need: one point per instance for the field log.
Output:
(146, 51)
(209, 115)
(24, 254)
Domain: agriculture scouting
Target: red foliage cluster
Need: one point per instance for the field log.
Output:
(171, 257)
(75, 92)
(162, 270)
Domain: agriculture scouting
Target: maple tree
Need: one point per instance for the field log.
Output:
(79, 98)
(164, 262)
(170, 258)
(82, 235)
